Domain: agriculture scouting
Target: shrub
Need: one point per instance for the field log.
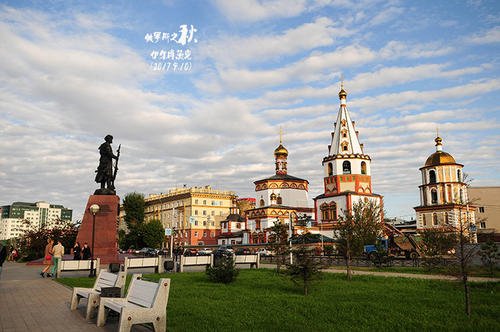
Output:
(223, 270)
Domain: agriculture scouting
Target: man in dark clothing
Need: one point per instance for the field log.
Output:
(86, 251)
(3, 255)
(104, 171)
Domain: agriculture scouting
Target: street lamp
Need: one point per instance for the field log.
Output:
(94, 209)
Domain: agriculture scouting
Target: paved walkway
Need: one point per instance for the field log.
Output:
(412, 275)
(29, 302)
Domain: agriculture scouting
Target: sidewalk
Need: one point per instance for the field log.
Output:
(29, 302)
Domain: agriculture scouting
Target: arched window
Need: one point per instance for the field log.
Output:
(459, 175)
(328, 212)
(279, 200)
(346, 167)
(432, 176)
(261, 202)
(434, 219)
(446, 218)
(434, 196)
(333, 211)
(461, 195)
(363, 167)
(330, 169)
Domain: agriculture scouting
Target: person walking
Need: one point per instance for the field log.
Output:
(58, 252)
(77, 251)
(47, 258)
(3, 254)
(86, 251)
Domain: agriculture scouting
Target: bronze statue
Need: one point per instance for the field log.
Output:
(105, 173)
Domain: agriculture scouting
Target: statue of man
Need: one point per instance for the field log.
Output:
(104, 171)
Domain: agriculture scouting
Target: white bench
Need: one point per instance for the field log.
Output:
(104, 279)
(196, 261)
(146, 302)
(77, 265)
(248, 259)
(144, 262)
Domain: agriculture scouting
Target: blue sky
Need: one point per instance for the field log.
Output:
(74, 71)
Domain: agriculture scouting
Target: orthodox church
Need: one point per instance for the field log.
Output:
(279, 197)
(347, 172)
(443, 193)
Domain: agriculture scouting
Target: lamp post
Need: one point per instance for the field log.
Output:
(94, 209)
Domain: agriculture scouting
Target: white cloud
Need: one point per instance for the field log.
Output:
(490, 36)
(257, 10)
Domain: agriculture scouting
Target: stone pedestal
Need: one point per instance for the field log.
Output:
(106, 234)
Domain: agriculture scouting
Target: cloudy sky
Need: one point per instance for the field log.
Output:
(73, 71)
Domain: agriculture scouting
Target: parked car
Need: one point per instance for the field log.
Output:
(243, 251)
(205, 252)
(265, 253)
(147, 251)
(190, 252)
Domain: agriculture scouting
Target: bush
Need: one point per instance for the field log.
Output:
(223, 270)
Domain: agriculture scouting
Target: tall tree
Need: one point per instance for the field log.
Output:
(304, 269)
(358, 227)
(134, 206)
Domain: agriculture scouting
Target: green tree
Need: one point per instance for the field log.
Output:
(134, 205)
(224, 270)
(358, 227)
(278, 241)
(436, 243)
(304, 269)
(153, 233)
(489, 254)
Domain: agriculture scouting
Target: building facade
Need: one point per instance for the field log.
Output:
(194, 214)
(280, 197)
(347, 173)
(444, 200)
(487, 202)
(18, 217)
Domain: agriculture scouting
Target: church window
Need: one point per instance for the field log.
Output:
(344, 133)
(238, 225)
(279, 200)
(434, 196)
(346, 167)
(330, 169)
(363, 167)
(482, 225)
(459, 175)
(204, 202)
(446, 221)
(434, 219)
(424, 220)
(481, 209)
(195, 212)
(432, 176)
(333, 211)
(261, 202)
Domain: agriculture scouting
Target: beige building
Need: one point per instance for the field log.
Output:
(487, 202)
(194, 213)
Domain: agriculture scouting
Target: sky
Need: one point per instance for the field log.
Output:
(196, 92)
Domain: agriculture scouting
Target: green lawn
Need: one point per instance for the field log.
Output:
(474, 272)
(260, 300)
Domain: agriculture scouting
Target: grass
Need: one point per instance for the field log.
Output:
(260, 300)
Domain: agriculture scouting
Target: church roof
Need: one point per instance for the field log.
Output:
(282, 177)
(439, 157)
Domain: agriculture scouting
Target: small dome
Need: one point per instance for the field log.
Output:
(280, 150)
(342, 93)
(440, 158)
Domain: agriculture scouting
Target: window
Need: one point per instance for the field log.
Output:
(446, 218)
(483, 224)
(204, 234)
(261, 202)
(434, 196)
(204, 202)
(195, 212)
(459, 175)
(212, 213)
(279, 200)
(329, 211)
(204, 212)
(346, 167)
(238, 225)
(432, 176)
(196, 234)
(204, 223)
(434, 219)
(330, 169)
(196, 222)
(363, 167)
(195, 201)
(481, 209)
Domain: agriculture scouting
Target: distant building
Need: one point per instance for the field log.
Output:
(193, 213)
(347, 173)
(280, 197)
(18, 217)
(444, 200)
(487, 202)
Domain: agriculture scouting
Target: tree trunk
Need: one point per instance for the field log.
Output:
(348, 260)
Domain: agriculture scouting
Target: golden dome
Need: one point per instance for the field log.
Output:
(280, 150)
(440, 158)
(342, 93)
